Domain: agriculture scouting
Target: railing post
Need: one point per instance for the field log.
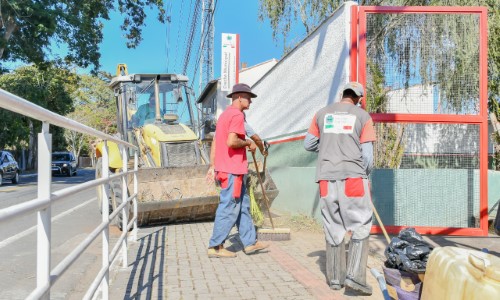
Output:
(44, 216)
(136, 168)
(105, 218)
(126, 207)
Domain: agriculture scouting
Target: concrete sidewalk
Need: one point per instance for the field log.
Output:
(170, 262)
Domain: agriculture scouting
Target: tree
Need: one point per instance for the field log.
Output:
(282, 14)
(396, 40)
(28, 27)
(50, 88)
(94, 107)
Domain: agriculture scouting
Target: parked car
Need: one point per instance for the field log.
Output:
(9, 169)
(64, 163)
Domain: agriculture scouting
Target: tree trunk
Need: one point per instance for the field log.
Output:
(496, 147)
(11, 26)
(396, 156)
(494, 122)
(31, 146)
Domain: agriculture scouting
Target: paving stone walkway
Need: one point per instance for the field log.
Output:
(170, 262)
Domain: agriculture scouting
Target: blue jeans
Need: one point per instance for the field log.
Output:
(233, 211)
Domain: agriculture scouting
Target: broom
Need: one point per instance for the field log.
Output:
(274, 234)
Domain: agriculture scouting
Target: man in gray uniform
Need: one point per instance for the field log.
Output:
(342, 134)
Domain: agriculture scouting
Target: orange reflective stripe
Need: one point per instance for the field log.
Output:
(354, 187)
(367, 133)
(314, 129)
(323, 188)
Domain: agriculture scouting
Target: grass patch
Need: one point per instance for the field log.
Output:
(298, 222)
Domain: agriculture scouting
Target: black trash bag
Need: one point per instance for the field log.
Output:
(408, 252)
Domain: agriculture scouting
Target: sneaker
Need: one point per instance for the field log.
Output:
(256, 247)
(219, 251)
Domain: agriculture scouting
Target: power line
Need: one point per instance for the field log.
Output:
(206, 66)
(194, 23)
(199, 58)
(178, 35)
(167, 34)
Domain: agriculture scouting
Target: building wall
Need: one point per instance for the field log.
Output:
(252, 74)
(310, 77)
(416, 99)
(306, 79)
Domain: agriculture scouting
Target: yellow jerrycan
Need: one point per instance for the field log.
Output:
(456, 273)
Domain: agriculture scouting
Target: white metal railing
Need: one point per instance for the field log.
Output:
(45, 277)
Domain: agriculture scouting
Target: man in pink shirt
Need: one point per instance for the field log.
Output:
(230, 169)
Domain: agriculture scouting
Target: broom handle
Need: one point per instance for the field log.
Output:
(380, 223)
(263, 191)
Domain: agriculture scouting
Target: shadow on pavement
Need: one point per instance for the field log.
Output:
(321, 260)
(491, 243)
(148, 267)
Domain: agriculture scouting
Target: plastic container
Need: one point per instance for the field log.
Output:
(402, 285)
(456, 273)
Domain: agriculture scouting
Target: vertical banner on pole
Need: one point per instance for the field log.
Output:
(229, 61)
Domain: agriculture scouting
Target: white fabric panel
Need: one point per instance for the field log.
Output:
(251, 74)
(306, 79)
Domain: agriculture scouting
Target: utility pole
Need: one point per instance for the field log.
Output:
(207, 41)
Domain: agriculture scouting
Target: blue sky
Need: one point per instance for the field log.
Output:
(232, 16)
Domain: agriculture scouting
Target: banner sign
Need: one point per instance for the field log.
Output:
(229, 61)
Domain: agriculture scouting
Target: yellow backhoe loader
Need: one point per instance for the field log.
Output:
(156, 113)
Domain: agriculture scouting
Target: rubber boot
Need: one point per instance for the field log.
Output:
(335, 265)
(356, 267)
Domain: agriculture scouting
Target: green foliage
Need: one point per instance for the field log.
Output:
(255, 211)
(376, 93)
(454, 42)
(94, 107)
(29, 27)
(389, 147)
(429, 50)
(83, 98)
(282, 14)
(49, 88)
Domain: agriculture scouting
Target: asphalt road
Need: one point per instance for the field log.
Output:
(72, 220)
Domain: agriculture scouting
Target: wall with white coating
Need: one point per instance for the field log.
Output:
(252, 74)
(306, 79)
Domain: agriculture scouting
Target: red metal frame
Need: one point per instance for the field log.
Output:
(296, 138)
(354, 43)
(358, 59)
(237, 79)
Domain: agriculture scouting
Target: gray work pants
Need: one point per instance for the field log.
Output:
(346, 206)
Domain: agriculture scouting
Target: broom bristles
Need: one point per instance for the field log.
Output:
(276, 234)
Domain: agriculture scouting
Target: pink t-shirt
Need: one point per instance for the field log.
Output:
(229, 160)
